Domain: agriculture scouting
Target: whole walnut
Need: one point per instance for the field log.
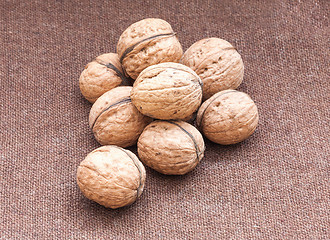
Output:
(228, 117)
(167, 91)
(145, 43)
(111, 176)
(217, 63)
(115, 120)
(101, 75)
(171, 147)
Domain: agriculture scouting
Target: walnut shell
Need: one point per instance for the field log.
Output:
(115, 120)
(111, 176)
(171, 147)
(147, 42)
(167, 91)
(228, 117)
(101, 75)
(217, 63)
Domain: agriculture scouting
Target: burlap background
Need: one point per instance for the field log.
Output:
(275, 185)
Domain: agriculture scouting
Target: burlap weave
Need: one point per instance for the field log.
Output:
(275, 185)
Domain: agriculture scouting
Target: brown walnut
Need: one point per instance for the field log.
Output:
(115, 120)
(111, 176)
(171, 147)
(145, 43)
(217, 63)
(101, 75)
(228, 117)
(167, 91)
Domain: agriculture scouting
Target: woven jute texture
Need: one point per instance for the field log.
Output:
(275, 185)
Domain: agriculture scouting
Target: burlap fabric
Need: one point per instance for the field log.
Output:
(275, 185)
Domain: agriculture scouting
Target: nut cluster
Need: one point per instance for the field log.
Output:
(168, 90)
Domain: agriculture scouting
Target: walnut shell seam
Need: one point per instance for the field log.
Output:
(136, 165)
(138, 168)
(198, 78)
(122, 101)
(198, 152)
(111, 66)
(199, 123)
(131, 48)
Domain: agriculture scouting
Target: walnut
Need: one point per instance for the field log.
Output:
(171, 147)
(228, 117)
(101, 75)
(115, 120)
(217, 63)
(167, 91)
(145, 43)
(111, 176)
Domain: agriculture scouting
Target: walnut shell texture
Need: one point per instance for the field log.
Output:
(115, 120)
(217, 63)
(145, 43)
(228, 117)
(111, 176)
(171, 147)
(167, 91)
(101, 75)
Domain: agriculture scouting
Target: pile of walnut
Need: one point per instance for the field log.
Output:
(168, 90)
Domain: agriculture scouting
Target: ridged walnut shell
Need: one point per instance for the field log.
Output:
(115, 120)
(111, 176)
(101, 75)
(145, 43)
(228, 117)
(167, 91)
(171, 147)
(217, 63)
